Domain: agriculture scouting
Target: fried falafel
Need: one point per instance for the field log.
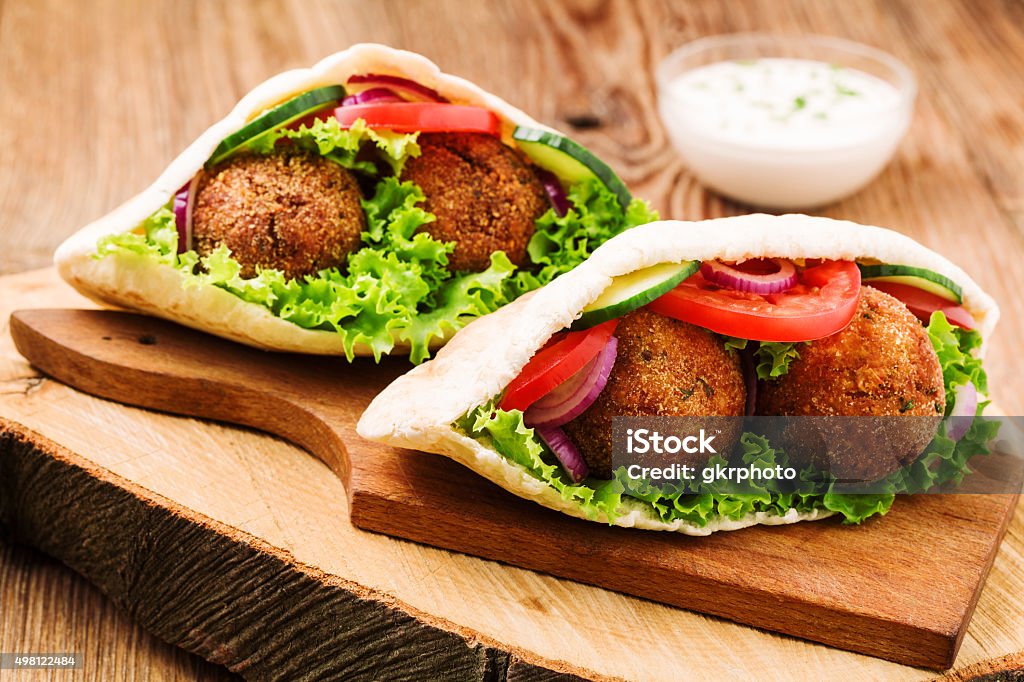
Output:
(483, 193)
(297, 212)
(882, 365)
(663, 367)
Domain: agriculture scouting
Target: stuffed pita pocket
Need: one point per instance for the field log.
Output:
(653, 324)
(368, 205)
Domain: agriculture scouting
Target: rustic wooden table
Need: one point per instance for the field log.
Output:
(98, 96)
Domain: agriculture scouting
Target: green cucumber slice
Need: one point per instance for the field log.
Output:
(920, 278)
(570, 161)
(628, 292)
(281, 115)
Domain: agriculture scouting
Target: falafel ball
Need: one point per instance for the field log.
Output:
(881, 365)
(295, 211)
(482, 192)
(663, 367)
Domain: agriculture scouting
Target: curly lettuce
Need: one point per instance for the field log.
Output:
(506, 433)
(943, 463)
(699, 503)
(957, 350)
(771, 358)
(343, 145)
(560, 243)
(156, 239)
(397, 288)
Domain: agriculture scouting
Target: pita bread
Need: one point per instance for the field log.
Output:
(418, 409)
(128, 281)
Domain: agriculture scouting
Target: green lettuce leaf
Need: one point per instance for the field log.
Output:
(396, 286)
(506, 433)
(857, 507)
(157, 238)
(771, 358)
(560, 243)
(957, 350)
(943, 463)
(694, 502)
(342, 145)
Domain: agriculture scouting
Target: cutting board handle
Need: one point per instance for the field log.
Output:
(312, 401)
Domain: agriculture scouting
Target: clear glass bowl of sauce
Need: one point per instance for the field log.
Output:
(784, 122)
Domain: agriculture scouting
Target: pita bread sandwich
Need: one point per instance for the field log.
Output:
(368, 205)
(782, 316)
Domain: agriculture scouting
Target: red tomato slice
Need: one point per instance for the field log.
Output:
(923, 303)
(424, 117)
(820, 304)
(564, 355)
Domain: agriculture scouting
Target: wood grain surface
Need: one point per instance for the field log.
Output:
(783, 579)
(136, 501)
(143, 485)
(98, 96)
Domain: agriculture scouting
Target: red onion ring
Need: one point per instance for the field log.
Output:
(965, 406)
(408, 89)
(184, 205)
(372, 96)
(555, 191)
(572, 397)
(566, 451)
(733, 277)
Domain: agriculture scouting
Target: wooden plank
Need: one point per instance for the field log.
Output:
(956, 183)
(216, 591)
(43, 599)
(876, 599)
(782, 578)
(549, 619)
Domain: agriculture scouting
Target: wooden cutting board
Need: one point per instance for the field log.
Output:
(901, 588)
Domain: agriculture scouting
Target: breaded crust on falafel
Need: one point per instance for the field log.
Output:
(294, 211)
(882, 365)
(663, 367)
(483, 194)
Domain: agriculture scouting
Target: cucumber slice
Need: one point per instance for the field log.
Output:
(281, 115)
(628, 292)
(920, 278)
(570, 161)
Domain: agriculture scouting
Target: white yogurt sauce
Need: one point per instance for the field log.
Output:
(781, 132)
(784, 102)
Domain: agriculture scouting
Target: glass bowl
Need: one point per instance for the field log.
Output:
(783, 151)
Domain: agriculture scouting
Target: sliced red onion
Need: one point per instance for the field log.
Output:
(757, 276)
(408, 89)
(965, 406)
(373, 96)
(184, 204)
(554, 189)
(572, 397)
(566, 451)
